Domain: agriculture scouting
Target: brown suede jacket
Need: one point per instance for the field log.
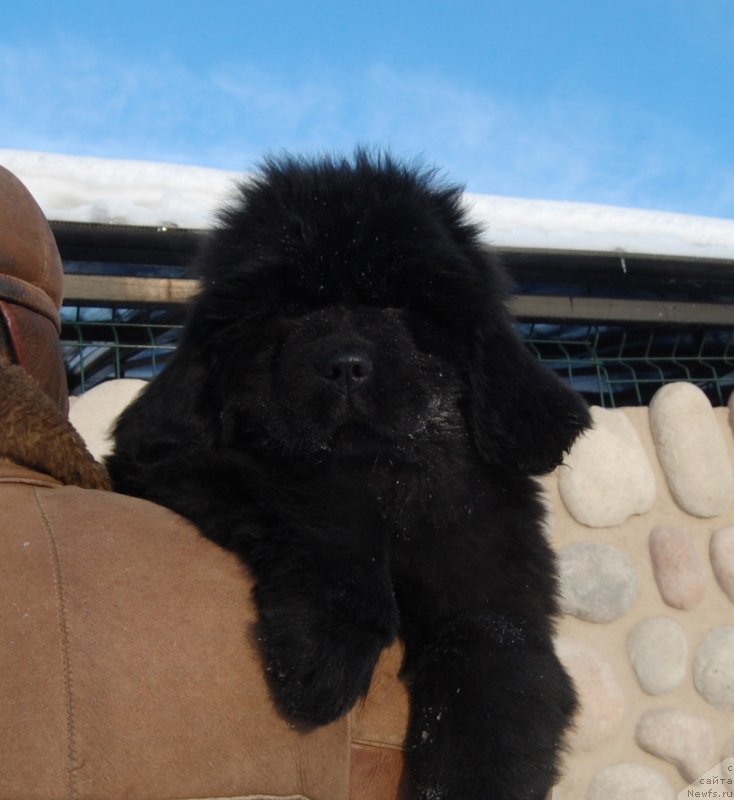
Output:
(126, 666)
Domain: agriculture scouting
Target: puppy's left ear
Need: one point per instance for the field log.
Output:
(523, 416)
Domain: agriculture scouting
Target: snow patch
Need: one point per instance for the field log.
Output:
(121, 192)
(118, 191)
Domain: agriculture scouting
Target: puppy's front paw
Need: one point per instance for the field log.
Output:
(318, 661)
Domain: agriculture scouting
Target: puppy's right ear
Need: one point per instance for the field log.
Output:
(523, 416)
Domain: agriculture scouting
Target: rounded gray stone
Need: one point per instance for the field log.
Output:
(713, 668)
(629, 781)
(658, 651)
(598, 581)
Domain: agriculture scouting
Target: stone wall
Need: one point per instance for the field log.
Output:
(642, 518)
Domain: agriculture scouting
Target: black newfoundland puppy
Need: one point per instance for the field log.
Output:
(351, 411)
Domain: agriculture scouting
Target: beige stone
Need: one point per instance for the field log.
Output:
(713, 668)
(658, 650)
(602, 702)
(629, 781)
(607, 477)
(722, 559)
(692, 450)
(677, 736)
(678, 569)
(94, 412)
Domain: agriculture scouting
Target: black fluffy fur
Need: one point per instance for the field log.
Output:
(351, 411)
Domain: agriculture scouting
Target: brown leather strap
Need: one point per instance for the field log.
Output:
(22, 293)
(35, 347)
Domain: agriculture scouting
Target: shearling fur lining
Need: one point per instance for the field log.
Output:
(34, 434)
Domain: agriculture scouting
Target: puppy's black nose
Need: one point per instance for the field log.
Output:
(347, 368)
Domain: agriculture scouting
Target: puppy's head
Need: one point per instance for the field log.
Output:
(349, 306)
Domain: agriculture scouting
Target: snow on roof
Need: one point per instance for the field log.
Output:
(125, 192)
(120, 191)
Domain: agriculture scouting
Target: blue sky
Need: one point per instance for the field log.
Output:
(628, 102)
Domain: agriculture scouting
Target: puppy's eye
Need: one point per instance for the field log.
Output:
(295, 309)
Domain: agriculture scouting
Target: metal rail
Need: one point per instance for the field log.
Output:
(131, 291)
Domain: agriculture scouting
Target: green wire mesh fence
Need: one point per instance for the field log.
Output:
(626, 365)
(611, 365)
(99, 344)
